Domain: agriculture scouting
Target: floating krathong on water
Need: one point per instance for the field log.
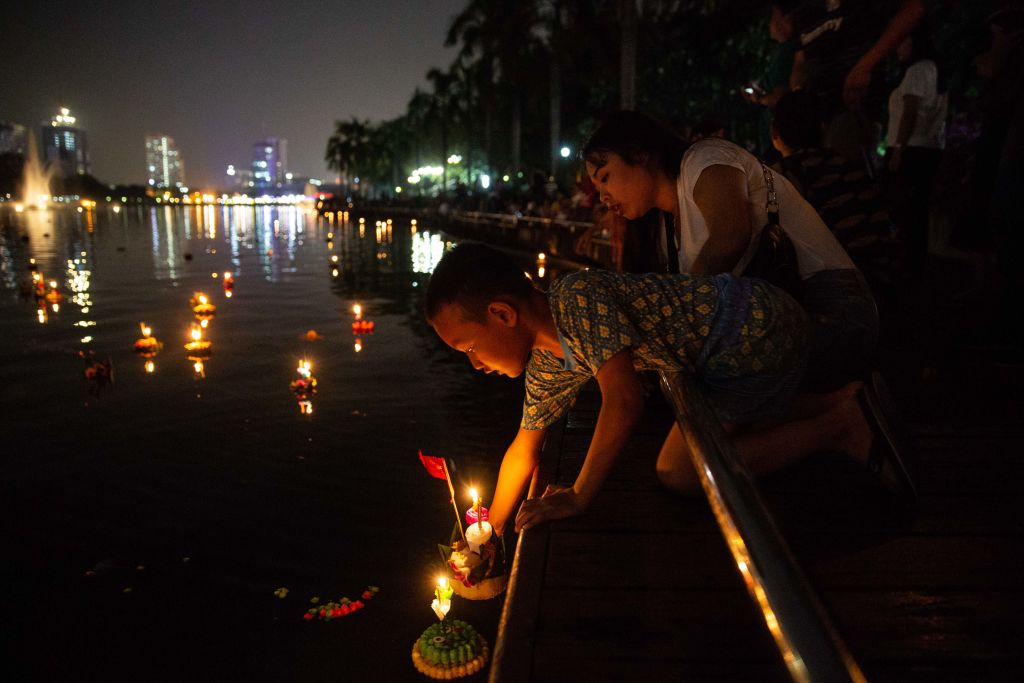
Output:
(147, 346)
(199, 347)
(304, 387)
(201, 306)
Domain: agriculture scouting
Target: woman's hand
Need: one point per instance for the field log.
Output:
(558, 502)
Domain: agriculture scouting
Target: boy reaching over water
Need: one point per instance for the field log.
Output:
(743, 340)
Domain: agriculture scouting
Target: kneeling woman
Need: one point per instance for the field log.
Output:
(743, 340)
(715, 196)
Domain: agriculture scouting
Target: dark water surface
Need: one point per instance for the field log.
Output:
(147, 527)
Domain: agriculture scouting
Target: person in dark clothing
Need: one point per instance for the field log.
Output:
(843, 194)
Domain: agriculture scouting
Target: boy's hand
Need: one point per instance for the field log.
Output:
(557, 502)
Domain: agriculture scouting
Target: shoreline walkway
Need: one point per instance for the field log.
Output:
(643, 588)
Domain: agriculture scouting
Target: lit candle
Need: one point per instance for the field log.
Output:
(358, 310)
(146, 329)
(442, 598)
(476, 507)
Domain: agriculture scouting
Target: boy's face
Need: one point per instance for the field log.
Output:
(498, 344)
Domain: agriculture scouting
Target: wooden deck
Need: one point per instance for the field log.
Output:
(642, 588)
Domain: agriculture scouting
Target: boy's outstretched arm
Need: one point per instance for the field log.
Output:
(622, 403)
(516, 469)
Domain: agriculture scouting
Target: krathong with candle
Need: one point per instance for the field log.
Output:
(147, 345)
(229, 283)
(304, 387)
(201, 306)
(476, 561)
(446, 651)
(198, 347)
(360, 326)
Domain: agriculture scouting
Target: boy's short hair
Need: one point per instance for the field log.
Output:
(473, 275)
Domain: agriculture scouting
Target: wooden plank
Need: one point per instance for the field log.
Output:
(930, 626)
(688, 559)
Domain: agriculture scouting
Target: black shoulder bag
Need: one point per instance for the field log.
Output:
(774, 259)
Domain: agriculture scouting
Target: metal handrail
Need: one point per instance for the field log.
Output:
(810, 645)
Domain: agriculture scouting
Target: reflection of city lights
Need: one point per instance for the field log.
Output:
(358, 345)
(55, 307)
(306, 407)
(427, 250)
(334, 272)
(227, 294)
(150, 366)
(334, 258)
(358, 310)
(116, 208)
(86, 339)
(41, 316)
(540, 271)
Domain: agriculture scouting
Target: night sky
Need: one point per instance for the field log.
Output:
(216, 76)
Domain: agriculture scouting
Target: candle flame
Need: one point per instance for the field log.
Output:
(197, 334)
(442, 582)
(150, 366)
(472, 494)
(198, 367)
(53, 284)
(203, 299)
(146, 330)
(357, 309)
(203, 323)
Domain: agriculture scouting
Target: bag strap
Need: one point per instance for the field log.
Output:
(772, 200)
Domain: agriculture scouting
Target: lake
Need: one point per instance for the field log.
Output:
(149, 523)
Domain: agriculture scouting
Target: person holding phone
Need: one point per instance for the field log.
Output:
(774, 83)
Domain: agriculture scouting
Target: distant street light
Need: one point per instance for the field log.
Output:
(454, 159)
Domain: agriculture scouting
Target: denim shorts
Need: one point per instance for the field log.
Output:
(843, 329)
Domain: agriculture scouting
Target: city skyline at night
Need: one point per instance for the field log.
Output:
(218, 77)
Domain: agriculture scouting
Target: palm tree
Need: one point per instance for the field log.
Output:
(347, 148)
(500, 34)
(442, 82)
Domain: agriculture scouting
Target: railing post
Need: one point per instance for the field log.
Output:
(809, 644)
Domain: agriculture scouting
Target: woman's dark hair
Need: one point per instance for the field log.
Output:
(473, 275)
(923, 47)
(638, 139)
(797, 121)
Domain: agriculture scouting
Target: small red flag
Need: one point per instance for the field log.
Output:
(434, 465)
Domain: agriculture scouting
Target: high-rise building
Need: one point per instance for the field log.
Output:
(12, 138)
(164, 165)
(269, 161)
(64, 145)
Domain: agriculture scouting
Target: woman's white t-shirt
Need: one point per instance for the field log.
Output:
(929, 131)
(816, 247)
